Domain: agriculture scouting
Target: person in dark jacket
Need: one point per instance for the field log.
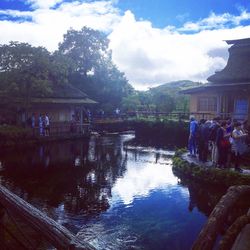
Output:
(223, 145)
(203, 135)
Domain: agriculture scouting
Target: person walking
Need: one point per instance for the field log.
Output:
(239, 146)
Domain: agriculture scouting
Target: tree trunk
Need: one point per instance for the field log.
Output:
(53, 232)
(233, 231)
(208, 234)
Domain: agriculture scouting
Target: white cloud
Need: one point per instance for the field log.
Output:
(216, 21)
(148, 56)
(43, 4)
(48, 25)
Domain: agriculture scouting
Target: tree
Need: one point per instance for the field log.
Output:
(93, 70)
(27, 71)
(86, 48)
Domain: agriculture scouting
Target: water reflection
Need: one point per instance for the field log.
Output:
(119, 197)
(140, 179)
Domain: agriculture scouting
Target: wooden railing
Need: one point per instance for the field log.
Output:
(57, 235)
(164, 115)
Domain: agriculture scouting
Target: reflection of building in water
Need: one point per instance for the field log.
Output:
(52, 170)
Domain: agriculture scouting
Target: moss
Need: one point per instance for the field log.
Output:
(211, 176)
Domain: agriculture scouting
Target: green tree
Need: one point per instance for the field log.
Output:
(92, 68)
(86, 48)
(27, 71)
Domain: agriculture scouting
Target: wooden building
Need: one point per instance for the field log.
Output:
(61, 104)
(227, 93)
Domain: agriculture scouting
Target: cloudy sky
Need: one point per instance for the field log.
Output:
(153, 41)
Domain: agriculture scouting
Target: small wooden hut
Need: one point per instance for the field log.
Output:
(61, 104)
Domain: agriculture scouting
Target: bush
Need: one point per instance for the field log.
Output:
(214, 176)
(12, 134)
(163, 132)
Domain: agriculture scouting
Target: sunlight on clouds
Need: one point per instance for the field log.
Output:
(149, 56)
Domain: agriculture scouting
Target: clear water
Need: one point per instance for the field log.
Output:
(112, 195)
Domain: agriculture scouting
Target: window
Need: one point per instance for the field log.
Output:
(241, 109)
(207, 104)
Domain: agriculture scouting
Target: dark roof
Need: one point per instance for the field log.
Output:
(237, 69)
(239, 87)
(61, 94)
(64, 91)
(239, 41)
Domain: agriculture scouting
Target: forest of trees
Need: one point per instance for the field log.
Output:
(83, 59)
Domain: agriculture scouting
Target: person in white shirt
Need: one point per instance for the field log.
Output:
(238, 145)
(46, 123)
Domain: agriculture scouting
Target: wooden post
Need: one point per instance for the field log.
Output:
(53, 232)
(208, 234)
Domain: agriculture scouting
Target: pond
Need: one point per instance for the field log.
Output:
(114, 195)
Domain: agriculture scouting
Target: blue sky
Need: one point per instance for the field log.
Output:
(164, 12)
(153, 41)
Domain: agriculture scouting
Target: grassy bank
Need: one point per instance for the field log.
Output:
(211, 176)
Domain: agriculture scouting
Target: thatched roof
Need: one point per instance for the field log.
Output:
(219, 87)
(64, 91)
(61, 94)
(237, 69)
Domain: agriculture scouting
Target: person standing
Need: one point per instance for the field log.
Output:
(238, 145)
(33, 123)
(41, 125)
(212, 138)
(223, 145)
(203, 133)
(192, 136)
(46, 125)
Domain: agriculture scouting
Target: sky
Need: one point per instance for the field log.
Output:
(153, 41)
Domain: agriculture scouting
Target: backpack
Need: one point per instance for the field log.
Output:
(213, 132)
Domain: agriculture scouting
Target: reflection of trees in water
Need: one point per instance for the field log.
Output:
(77, 174)
(203, 197)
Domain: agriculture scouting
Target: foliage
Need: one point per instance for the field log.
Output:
(164, 98)
(214, 176)
(161, 133)
(27, 71)
(92, 69)
(13, 134)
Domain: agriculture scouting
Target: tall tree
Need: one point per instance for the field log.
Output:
(93, 70)
(86, 48)
(27, 71)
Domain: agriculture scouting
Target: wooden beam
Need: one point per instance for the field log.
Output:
(53, 232)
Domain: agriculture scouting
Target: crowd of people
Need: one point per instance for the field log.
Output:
(225, 141)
